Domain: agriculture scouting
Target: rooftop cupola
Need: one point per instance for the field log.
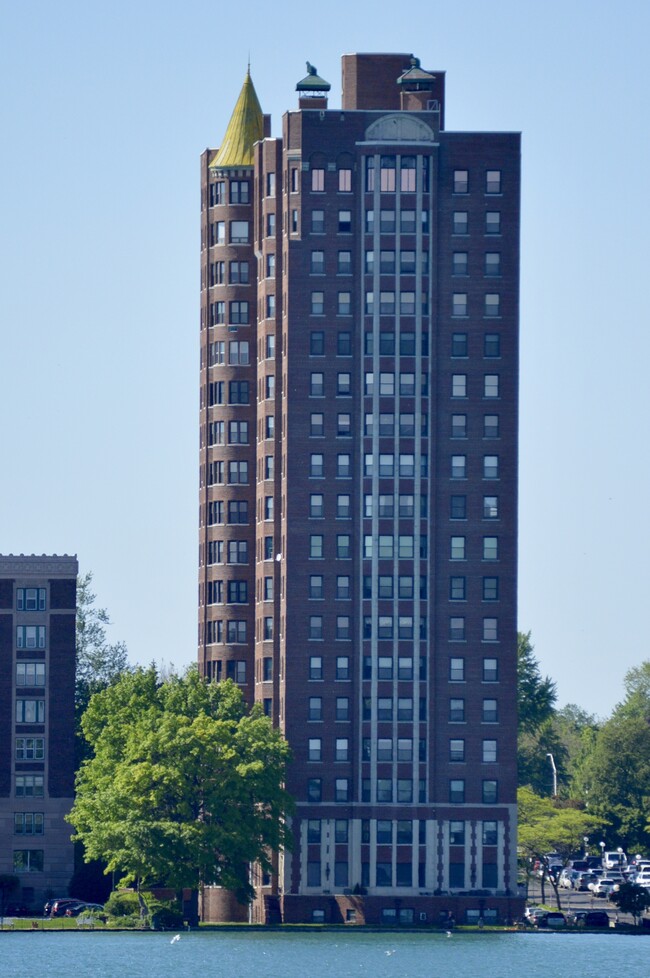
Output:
(416, 87)
(245, 128)
(312, 90)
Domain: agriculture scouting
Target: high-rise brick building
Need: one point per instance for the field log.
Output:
(37, 675)
(358, 484)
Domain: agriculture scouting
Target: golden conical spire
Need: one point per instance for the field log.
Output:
(246, 126)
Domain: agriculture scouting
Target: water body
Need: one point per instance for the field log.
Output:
(358, 955)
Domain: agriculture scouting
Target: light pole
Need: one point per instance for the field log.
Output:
(554, 769)
(602, 852)
(586, 842)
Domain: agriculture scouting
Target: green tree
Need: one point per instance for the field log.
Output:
(184, 786)
(631, 898)
(546, 828)
(614, 774)
(536, 694)
(99, 662)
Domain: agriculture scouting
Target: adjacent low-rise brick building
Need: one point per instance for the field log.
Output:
(37, 675)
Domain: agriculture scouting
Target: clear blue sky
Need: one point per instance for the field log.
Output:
(105, 109)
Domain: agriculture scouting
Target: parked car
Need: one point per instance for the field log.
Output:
(59, 907)
(614, 860)
(590, 918)
(583, 881)
(553, 919)
(603, 887)
(581, 865)
(567, 878)
(76, 909)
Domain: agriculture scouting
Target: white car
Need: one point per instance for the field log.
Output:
(603, 887)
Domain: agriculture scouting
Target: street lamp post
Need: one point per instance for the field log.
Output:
(554, 769)
(586, 842)
(602, 852)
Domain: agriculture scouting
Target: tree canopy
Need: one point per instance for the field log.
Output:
(546, 828)
(99, 662)
(184, 786)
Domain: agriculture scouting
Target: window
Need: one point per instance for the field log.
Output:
(493, 182)
(316, 505)
(315, 708)
(29, 786)
(30, 748)
(461, 181)
(493, 222)
(492, 346)
(489, 754)
(386, 303)
(458, 508)
(317, 262)
(270, 266)
(341, 789)
(270, 225)
(456, 833)
(459, 426)
(344, 307)
(490, 588)
(458, 466)
(238, 432)
(316, 344)
(491, 385)
(217, 193)
(237, 551)
(491, 426)
(490, 548)
(490, 711)
(458, 548)
(239, 232)
(345, 221)
(316, 546)
(30, 599)
(237, 473)
(492, 304)
(457, 629)
(456, 750)
(459, 385)
(384, 790)
(318, 222)
(267, 663)
(30, 711)
(407, 222)
(313, 830)
(407, 174)
(343, 631)
(490, 833)
(315, 667)
(314, 794)
(344, 266)
(459, 304)
(317, 465)
(460, 222)
(238, 392)
(269, 426)
(459, 346)
(239, 192)
(30, 674)
(30, 637)
(387, 221)
(237, 592)
(345, 180)
(490, 670)
(343, 590)
(315, 751)
(343, 546)
(215, 552)
(317, 303)
(344, 425)
(490, 792)
(28, 861)
(270, 306)
(236, 633)
(343, 662)
(218, 233)
(268, 507)
(490, 466)
(457, 670)
(457, 792)
(490, 630)
(238, 352)
(343, 384)
(342, 708)
(343, 507)
(318, 180)
(459, 263)
(316, 590)
(456, 710)
(384, 877)
(28, 823)
(237, 511)
(492, 263)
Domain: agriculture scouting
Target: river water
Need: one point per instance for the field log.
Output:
(326, 955)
